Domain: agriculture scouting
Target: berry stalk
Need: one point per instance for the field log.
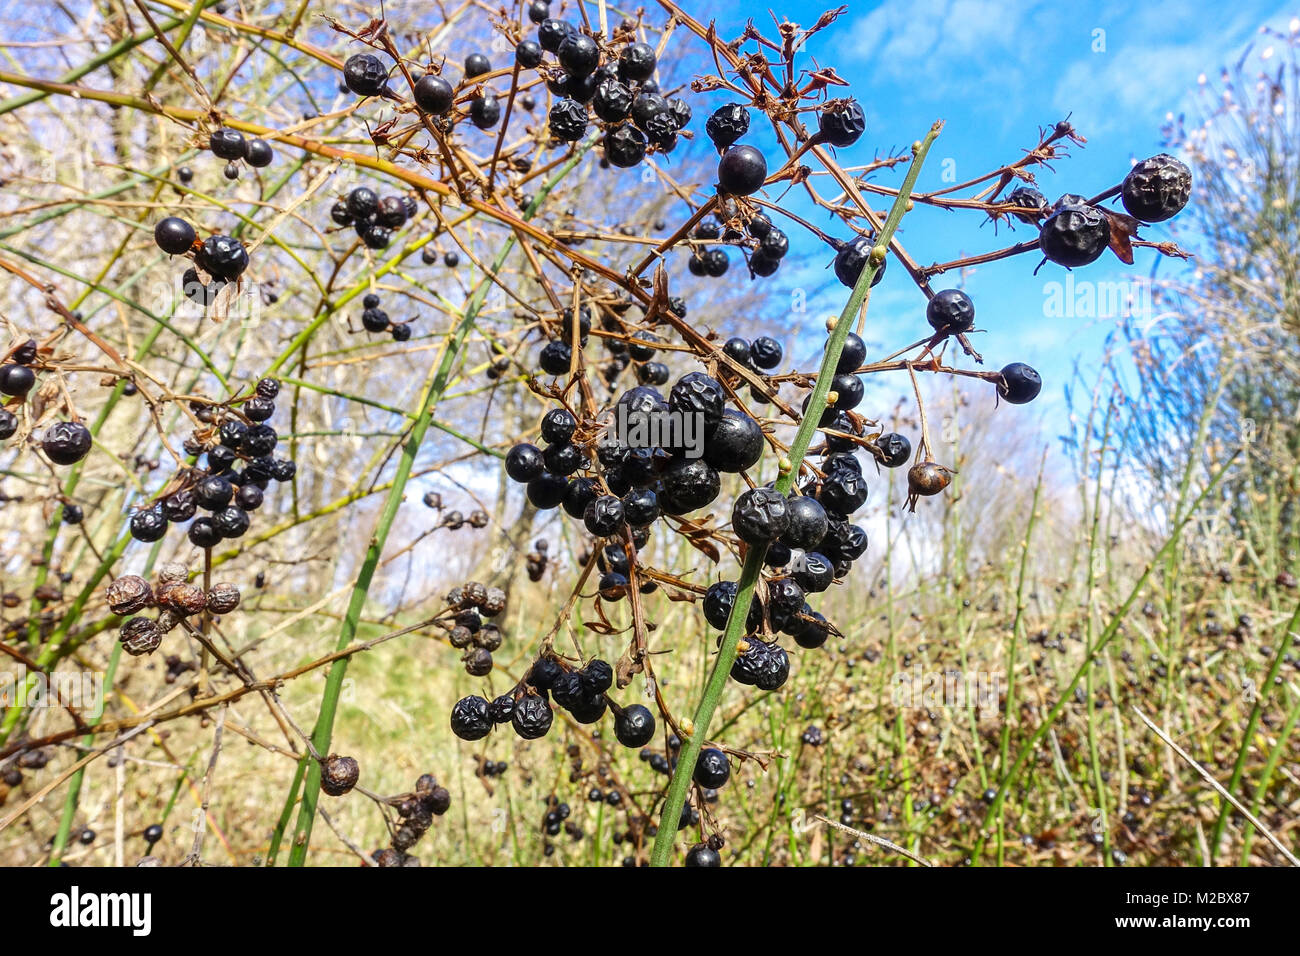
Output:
(322, 733)
(753, 565)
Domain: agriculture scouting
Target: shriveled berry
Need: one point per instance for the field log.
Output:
(637, 62)
(66, 443)
(339, 774)
(469, 718)
(1157, 189)
(222, 257)
(531, 717)
(727, 124)
(841, 122)
(148, 525)
(1029, 199)
(1074, 236)
(760, 516)
(852, 258)
(140, 636)
(688, 485)
(604, 516)
(568, 120)
(578, 54)
(894, 449)
(364, 74)
(951, 311)
(222, 598)
(129, 594)
(612, 101)
(625, 146)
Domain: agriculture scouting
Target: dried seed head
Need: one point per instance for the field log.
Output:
(478, 518)
(129, 594)
(223, 598)
(173, 572)
(927, 478)
(478, 662)
(339, 775)
(494, 603)
(187, 599)
(475, 593)
(489, 637)
(140, 636)
(167, 620)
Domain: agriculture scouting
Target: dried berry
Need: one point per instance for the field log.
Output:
(139, 636)
(129, 594)
(338, 774)
(222, 598)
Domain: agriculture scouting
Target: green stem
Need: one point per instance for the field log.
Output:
(691, 746)
(322, 734)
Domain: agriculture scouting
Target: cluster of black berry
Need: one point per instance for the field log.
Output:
(610, 82)
(175, 597)
(468, 631)
(374, 219)
(365, 75)
(555, 820)
(231, 145)
(1075, 232)
(491, 768)
(416, 811)
(229, 435)
(64, 443)
(527, 707)
(375, 319)
(222, 258)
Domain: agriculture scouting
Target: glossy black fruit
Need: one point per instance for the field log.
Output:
(66, 443)
(470, 719)
(760, 516)
(148, 525)
(851, 259)
(547, 491)
(736, 443)
(558, 426)
(848, 391)
(222, 257)
(528, 54)
(806, 523)
(741, 170)
(259, 153)
(843, 491)
(476, 64)
(8, 424)
(640, 507)
(1156, 189)
(951, 311)
(697, 393)
(813, 572)
(895, 449)
(551, 33)
(688, 485)
(433, 94)
(364, 74)
(203, 533)
(637, 62)
(174, 235)
(562, 459)
(1020, 384)
(579, 493)
(703, 855)
(762, 665)
(485, 111)
(604, 516)
(230, 522)
(625, 146)
(16, 379)
(717, 604)
(1074, 236)
(227, 143)
(555, 358)
(634, 726)
(213, 492)
(524, 462)
(712, 768)
(578, 54)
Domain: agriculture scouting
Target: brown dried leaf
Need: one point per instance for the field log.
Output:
(1123, 230)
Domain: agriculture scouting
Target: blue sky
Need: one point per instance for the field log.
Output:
(996, 72)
